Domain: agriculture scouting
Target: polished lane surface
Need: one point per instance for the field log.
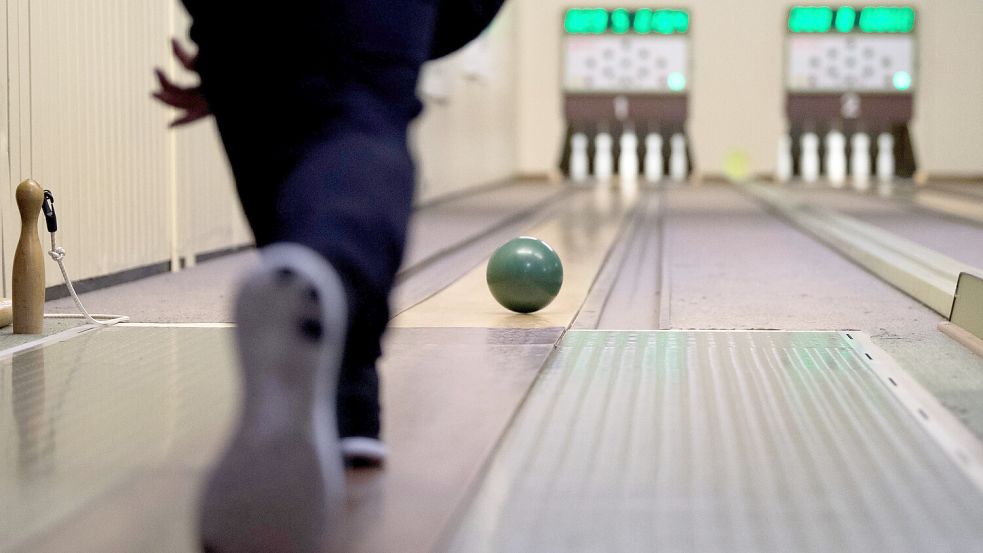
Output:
(723, 442)
(110, 434)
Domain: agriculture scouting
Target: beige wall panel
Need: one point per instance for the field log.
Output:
(18, 133)
(5, 211)
(949, 118)
(737, 95)
(18, 58)
(99, 141)
(209, 215)
(469, 139)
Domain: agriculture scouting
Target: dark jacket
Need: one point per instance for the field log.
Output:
(461, 21)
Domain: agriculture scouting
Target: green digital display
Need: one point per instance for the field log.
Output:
(849, 19)
(599, 21)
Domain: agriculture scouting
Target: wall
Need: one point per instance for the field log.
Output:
(95, 138)
(4, 140)
(949, 130)
(81, 121)
(468, 137)
(736, 100)
(209, 215)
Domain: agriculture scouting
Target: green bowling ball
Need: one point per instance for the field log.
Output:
(525, 275)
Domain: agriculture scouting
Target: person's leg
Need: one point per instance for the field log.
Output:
(350, 200)
(325, 142)
(324, 175)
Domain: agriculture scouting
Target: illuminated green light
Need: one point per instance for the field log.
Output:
(902, 80)
(810, 19)
(574, 22)
(676, 82)
(664, 22)
(846, 18)
(872, 20)
(887, 19)
(906, 20)
(682, 21)
(643, 22)
(586, 22)
(598, 21)
(620, 21)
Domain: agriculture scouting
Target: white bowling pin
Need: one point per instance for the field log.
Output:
(678, 162)
(836, 158)
(809, 164)
(885, 157)
(860, 161)
(628, 160)
(783, 168)
(579, 161)
(654, 162)
(603, 157)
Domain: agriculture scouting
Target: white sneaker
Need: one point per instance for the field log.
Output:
(280, 483)
(363, 452)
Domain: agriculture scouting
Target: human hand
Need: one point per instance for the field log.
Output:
(189, 100)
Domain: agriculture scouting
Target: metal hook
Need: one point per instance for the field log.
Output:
(48, 207)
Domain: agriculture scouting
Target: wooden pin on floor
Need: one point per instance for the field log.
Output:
(28, 273)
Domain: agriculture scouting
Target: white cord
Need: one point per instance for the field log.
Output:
(58, 254)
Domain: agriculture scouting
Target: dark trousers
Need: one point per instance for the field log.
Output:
(313, 100)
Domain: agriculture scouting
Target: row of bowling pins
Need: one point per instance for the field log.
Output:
(653, 162)
(836, 159)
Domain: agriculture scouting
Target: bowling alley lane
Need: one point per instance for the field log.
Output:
(74, 465)
(449, 239)
(439, 227)
(735, 264)
(627, 292)
(114, 429)
(445, 240)
(707, 257)
(710, 442)
(582, 233)
(728, 263)
(591, 459)
(900, 213)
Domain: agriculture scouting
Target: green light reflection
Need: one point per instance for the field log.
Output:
(676, 82)
(902, 81)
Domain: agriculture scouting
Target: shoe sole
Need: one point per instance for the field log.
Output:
(280, 483)
(359, 452)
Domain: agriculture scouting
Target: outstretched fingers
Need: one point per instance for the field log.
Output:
(190, 100)
(188, 60)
